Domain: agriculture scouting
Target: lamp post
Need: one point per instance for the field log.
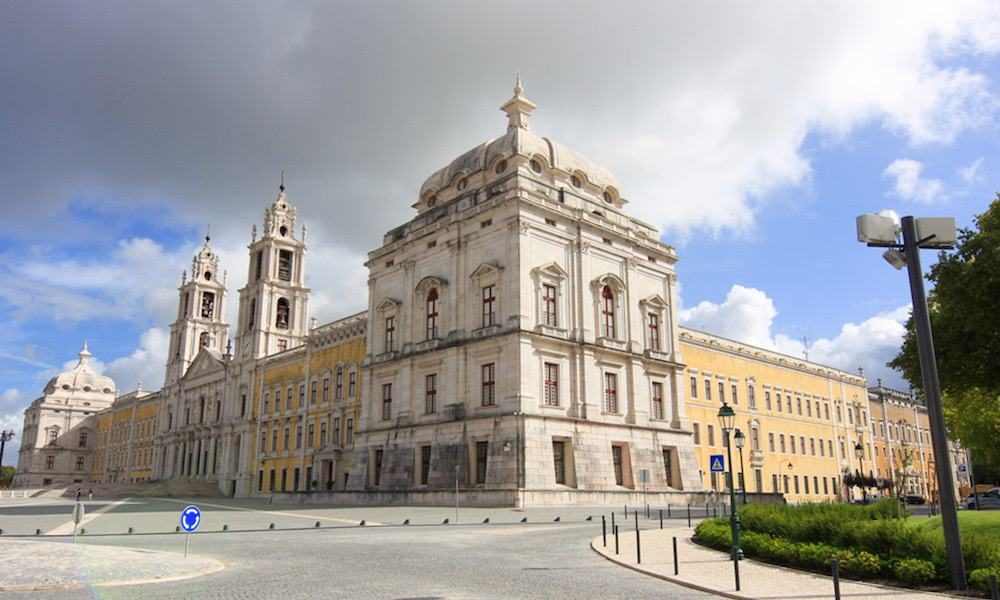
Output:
(740, 440)
(935, 233)
(859, 450)
(727, 420)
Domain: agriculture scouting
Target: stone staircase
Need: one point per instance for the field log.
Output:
(173, 488)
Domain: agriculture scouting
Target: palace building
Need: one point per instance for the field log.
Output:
(521, 342)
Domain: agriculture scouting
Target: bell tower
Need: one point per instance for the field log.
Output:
(200, 311)
(274, 304)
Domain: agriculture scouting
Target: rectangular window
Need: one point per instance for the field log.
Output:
(282, 345)
(326, 389)
(791, 440)
(781, 442)
(258, 264)
(774, 483)
(489, 372)
(390, 334)
(733, 391)
(611, 393)
(288, 399)
(263, 441)
(798, 404)
(694, 386)
(322, 433)
(616, 459)
(654, 331)
(751, 396)
(82, 442)
(378, 466)
(386, 401)
(349, 441)
(668, 467)
(802, 443)
(482, 451)
(336, 431)
(767, 399)
(551, 394)
(559, 459)
(312, 392)
(207, 305)
(302, 395)
(826, 486)
(425, 464)
(809, 410)
(489, 305)
(770, 442)
(432, 314)
(821, 449)
(722, 392)
(285, 265)
(286, 440)
(826, 411)
(697, 434)
(754, 438)
(708, 389)
(788, 403)
(657, 400)
(711, 435)
(812, 446)
(430, 393)
(274, 440)
(816, 484)
(310, 439)
(338, 386)
(549, 314)
(79, 463)
(805, 482)
(777, 399)
(352, 384)
(795, 479)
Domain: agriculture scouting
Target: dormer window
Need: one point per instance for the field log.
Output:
(432, 200)
(536, 166)
(575, 181)
(608, 198)
(501, 167)
(462, 184)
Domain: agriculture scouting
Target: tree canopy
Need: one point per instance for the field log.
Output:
(964, 307)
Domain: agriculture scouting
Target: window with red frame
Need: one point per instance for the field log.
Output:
(430, 396)
(390, 334)
(549, 315)
(489, 305)
(432, 314)
(610, 392)
(551, 384)
(386, 401)
(489, 384)
(657, 400)
(654, 331)
(608, 312)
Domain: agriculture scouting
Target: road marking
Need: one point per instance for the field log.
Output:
(274, 512)
(67, 527)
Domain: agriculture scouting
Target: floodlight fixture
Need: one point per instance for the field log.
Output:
(877, 229)
(895, 258)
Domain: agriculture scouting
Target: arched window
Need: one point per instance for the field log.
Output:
(608, 312)
(281, 317)
(432, 314)
(204, 339)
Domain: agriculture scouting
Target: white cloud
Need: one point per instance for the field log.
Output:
(145, 364)
(12, 418)
(910, 185)
(747, 315)
(970, 173)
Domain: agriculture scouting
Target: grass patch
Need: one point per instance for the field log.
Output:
(868, 541)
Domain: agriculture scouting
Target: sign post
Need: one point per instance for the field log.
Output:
(78, 513)
(190, 520)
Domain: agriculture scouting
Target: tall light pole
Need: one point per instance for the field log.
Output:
(936, 233)
(740, 440)
(727, 420)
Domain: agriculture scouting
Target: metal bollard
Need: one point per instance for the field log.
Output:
(689, 515)
(675, 556)
(994, 590)
(647, 510)
(38, 532)
(612, 521)
(225, 527)
(638, 547)
(835, 565)
(736, 570)
(661, 518)
(604, 531)
(626, 511)
(616, 539)
(668, 511)
(130, 530)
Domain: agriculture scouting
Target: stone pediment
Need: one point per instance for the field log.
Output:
(485, 270)
(205, 364)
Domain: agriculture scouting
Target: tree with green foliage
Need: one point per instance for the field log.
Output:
(6, 476)
(964, 309)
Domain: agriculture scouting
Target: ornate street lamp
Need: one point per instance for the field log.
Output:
(727, 420)
(5, 436)
(859, 451)
(740, 440)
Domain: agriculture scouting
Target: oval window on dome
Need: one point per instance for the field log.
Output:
(501, 167)
(65, 386)
(107, 390)
(575, 181)
(462, 184)
(608, 197)
(536, 166)
(86, 388)
(432, 200)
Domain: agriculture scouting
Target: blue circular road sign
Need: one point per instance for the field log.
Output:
(190, 518)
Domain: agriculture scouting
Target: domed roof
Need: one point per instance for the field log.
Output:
(519, 139)
(82, 378)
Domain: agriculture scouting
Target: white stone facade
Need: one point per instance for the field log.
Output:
(523, 334)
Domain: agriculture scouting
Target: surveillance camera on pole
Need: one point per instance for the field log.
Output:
(932, 233)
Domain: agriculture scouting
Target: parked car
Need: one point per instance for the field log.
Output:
(990, 499)
(914, 499)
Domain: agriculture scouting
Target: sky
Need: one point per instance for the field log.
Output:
(751, 134)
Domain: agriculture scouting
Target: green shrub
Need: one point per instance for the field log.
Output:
(980, 578)
(915, 571)
(714, 533)
(859, 563)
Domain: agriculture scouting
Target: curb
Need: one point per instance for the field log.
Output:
(39, 587)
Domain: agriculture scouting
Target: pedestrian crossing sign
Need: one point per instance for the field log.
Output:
(717, 463)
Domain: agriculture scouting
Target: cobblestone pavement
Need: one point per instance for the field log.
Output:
(537, 559)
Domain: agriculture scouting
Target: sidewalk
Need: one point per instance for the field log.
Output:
(40, 565)
(712, 571)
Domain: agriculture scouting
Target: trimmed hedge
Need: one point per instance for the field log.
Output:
(867, 541)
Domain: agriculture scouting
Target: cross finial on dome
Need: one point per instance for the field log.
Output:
(518, 108)
(84, 354)
(281, 187)
(208, 233)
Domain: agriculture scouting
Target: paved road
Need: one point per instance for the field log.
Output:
(539, 559)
